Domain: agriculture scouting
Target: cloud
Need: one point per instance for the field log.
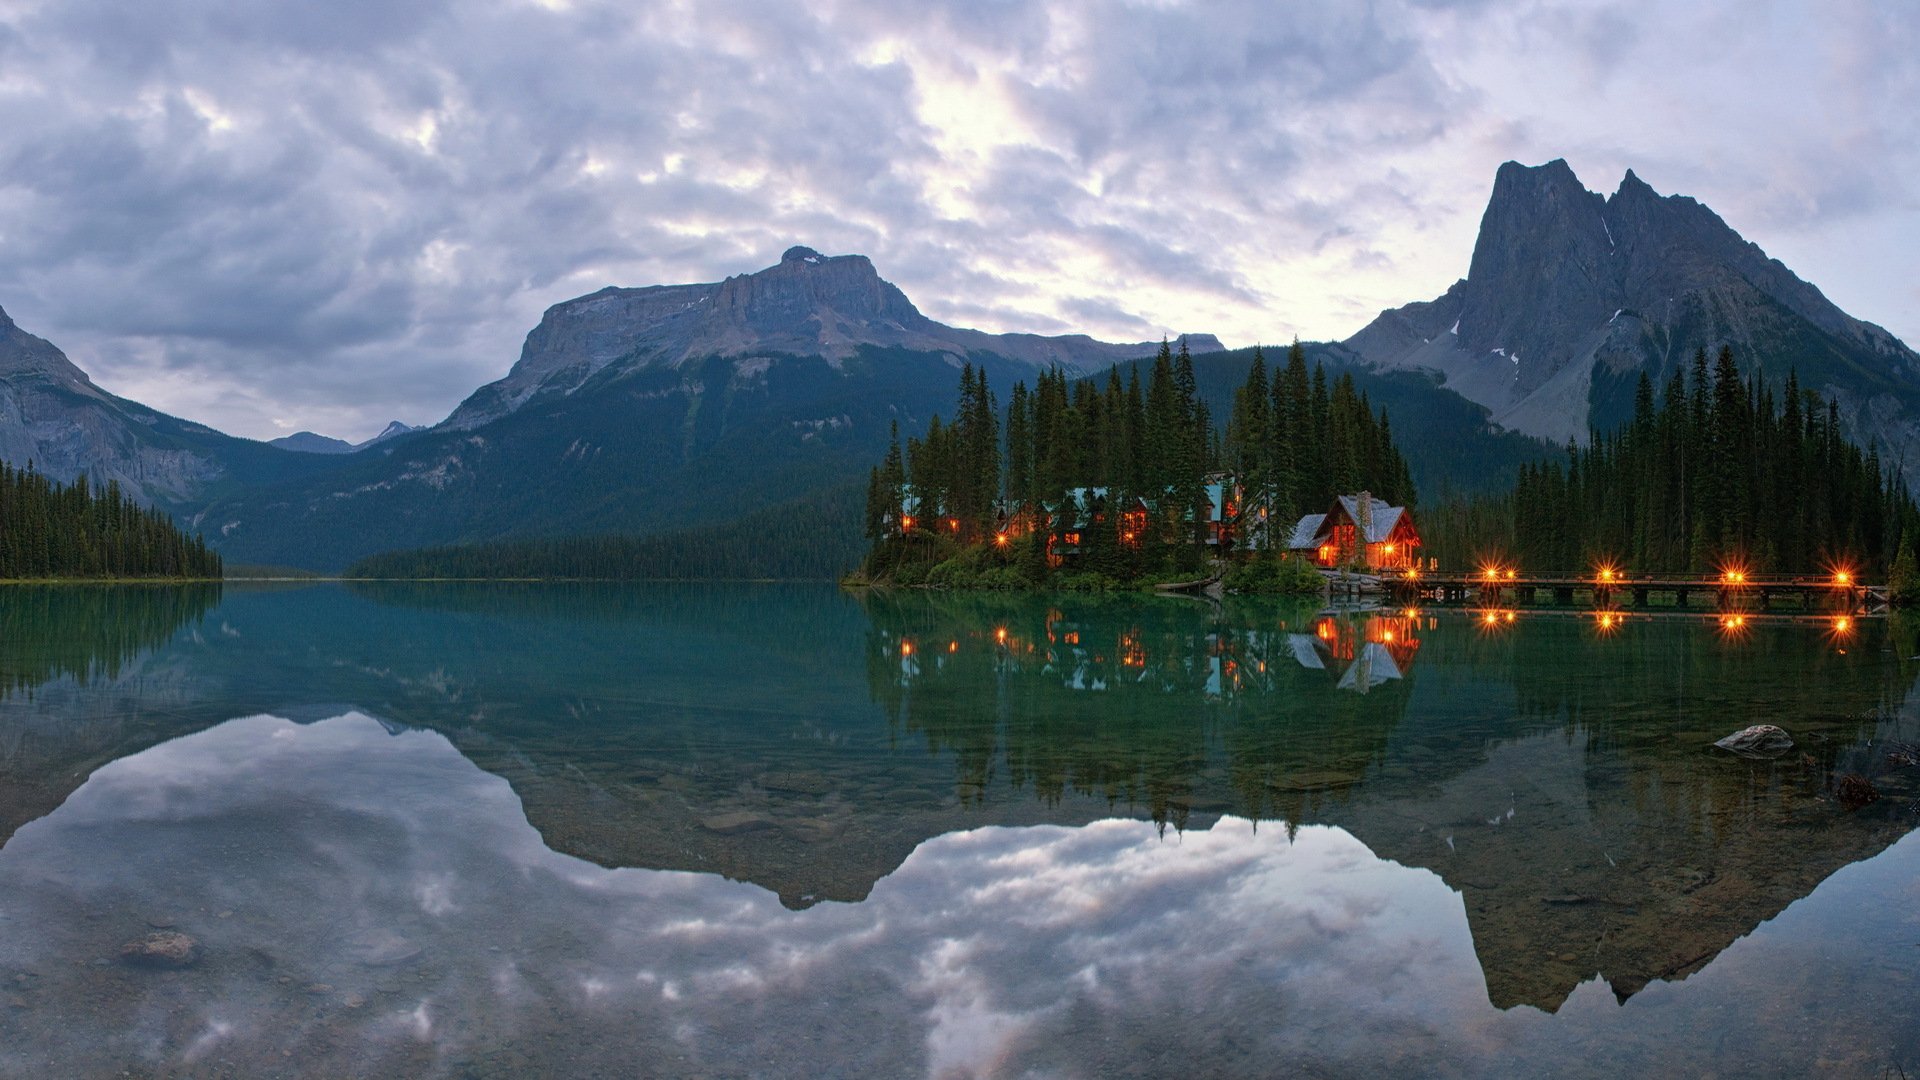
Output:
(243, 212)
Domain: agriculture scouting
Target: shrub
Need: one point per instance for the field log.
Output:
(1274, 577)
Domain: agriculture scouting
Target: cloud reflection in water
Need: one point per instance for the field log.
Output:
(372, 902)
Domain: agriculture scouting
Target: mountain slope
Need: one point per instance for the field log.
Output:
(52, 415)
(1571, 294)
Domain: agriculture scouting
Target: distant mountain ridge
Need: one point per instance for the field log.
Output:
(1571, 294)
(307, 442)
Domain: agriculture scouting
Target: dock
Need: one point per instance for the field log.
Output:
(1726, 591)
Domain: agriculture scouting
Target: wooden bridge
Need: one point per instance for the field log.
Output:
(1727, 591)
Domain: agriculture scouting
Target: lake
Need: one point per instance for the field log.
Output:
(761, 830)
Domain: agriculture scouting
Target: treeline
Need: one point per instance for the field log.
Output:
(814, 538)
(1293, 440)
(52, 530)
(1716, 471)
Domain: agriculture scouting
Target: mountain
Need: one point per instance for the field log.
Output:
(1570, 295)
(306, 442)
(641, 410)
(808, 304)
(52, 415)
(394, 429)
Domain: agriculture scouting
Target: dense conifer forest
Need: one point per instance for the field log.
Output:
(1293, 439)
(814, 538)
(50, 530)
(1713, 471)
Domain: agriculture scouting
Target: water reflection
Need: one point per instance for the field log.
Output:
(372, 903)
(1554, 781)
(59, 645)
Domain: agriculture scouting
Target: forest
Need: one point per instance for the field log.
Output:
(1714, 471)
(1293, 439)
(51, 530)
(810, 538)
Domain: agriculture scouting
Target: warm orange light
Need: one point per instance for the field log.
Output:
(1608, 573)
(1493, 574)
(1841, 577)
(1386, 635)
(954, 524)
(1510, 574)
(906, 648)
(1491, 618)
(906, 521)
(1733, 622)
(1509, 616)
(1843, 625)
(1000, 634)
(1412, 573)
(1734, 576)
(953, 646)
(1325, 631)
(1413, 613)
(1389, 549)
(1000, 539)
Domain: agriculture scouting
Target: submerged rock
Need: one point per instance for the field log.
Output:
(1758, 741)
(167, 949)
(1855, 791)
(381, 948)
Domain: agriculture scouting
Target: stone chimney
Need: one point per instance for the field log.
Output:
(1364, 518)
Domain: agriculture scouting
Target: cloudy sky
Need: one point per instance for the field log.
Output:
(272, 216)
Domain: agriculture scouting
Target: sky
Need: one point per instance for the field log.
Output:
(272, 216)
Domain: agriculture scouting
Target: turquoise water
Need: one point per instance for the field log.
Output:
(777, 830)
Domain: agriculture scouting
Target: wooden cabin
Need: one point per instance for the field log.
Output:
(1359, 530)
(1086, 509)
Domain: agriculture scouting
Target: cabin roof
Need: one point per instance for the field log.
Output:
(1384, 517)
(1307, 531)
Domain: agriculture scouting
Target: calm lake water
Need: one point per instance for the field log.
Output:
(785, 831)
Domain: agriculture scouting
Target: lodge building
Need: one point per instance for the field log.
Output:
(1360, 531)
(1357, 531)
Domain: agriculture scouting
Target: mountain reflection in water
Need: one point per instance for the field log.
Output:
(1522, 815)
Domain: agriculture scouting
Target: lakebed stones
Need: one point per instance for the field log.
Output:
(1758, 741)
(166, 949)
(380, 948)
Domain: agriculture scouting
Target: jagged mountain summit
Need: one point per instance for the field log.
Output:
(1571, 294)
(808, 304)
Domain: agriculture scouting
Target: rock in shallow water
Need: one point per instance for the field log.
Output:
(1758, 741)
(168, 949)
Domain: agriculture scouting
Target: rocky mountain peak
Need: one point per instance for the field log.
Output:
(1570, 292)
(806, 305)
